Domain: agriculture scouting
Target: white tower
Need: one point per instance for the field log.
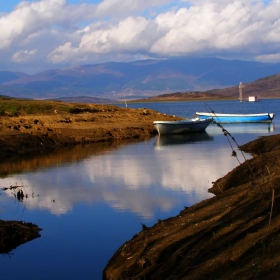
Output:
(240, 91)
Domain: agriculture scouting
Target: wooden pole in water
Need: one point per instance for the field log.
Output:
(240, 91)
(125, 100)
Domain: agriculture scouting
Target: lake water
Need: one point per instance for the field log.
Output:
(90, 199)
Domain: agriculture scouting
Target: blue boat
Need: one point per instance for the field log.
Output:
(237, 118)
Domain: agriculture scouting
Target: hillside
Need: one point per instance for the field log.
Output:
(138, 79)
(7, 76)
(268, 87)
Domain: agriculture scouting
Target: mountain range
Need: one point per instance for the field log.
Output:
(140, 79)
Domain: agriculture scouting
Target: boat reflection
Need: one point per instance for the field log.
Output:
(244, 128)
(179, 139)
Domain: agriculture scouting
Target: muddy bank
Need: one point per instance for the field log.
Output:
(234, 235)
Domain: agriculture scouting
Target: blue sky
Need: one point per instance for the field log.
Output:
(43, 34)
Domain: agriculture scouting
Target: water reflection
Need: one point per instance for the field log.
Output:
(179, 139)
(20, 195)
(237, 128)
(56, 157)
(136, 178)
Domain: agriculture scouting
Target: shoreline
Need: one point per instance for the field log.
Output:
(152, 99)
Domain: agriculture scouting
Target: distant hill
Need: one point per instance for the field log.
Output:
(268, 87)
(139, 79)
(7, 76)
(5, 97)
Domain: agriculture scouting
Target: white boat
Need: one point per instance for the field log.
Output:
(237, 118)
(182, 126)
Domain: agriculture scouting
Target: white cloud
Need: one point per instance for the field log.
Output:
(132, 35)
(26, 19)
(65, 53)
(23, 56)
(124, 36)
(128, 30)
(30, 18)
(231, 28)
(269, 57)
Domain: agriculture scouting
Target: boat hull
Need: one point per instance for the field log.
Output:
(237, 118)
(181, 127)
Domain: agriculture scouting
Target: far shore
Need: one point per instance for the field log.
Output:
(155, 99)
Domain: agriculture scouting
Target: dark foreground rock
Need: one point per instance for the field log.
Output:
(15, 233)
(234, 235)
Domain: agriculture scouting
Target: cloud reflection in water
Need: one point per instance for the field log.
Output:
(141, 178)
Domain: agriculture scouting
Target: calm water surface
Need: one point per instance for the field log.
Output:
(90, 200)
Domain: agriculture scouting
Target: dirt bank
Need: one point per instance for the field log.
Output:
(28, 133)
(234, 235)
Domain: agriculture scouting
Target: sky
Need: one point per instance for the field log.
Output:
(51, 34)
